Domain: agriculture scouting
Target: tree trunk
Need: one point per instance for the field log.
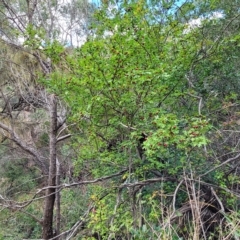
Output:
(47, 231)
(58, 205)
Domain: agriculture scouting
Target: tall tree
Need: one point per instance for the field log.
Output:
(146, 92)
(50, 193)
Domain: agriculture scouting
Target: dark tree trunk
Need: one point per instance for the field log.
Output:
(47, 231)
(58, 205)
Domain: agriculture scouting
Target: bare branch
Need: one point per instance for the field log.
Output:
(218, 199)
(46, 66)
(128, 127)
(64, 137)
(199, 104)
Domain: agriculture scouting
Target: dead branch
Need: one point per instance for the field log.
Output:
(218, 199)
(174, 203)
(199, 104)
(64, 137)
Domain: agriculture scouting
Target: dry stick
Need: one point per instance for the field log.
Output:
(63, 137)
(199, 104)
(128, 127)
(46, 70)
(195, 213)
(58, 135)
(131, 198)
(173, 203)
(190, 201)
(218, 199)
(194, 207)
(196, 201)
(77, 225)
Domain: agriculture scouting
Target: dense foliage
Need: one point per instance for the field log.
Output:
(152, 107)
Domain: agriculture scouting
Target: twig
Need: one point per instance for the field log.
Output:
(132, 128)
(173, 203)
(64, 137)
(199, 104)
(174, 198)
(64, 129)
(218, 199)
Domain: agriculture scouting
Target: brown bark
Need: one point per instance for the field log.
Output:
(47, 231)
(58, 201)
